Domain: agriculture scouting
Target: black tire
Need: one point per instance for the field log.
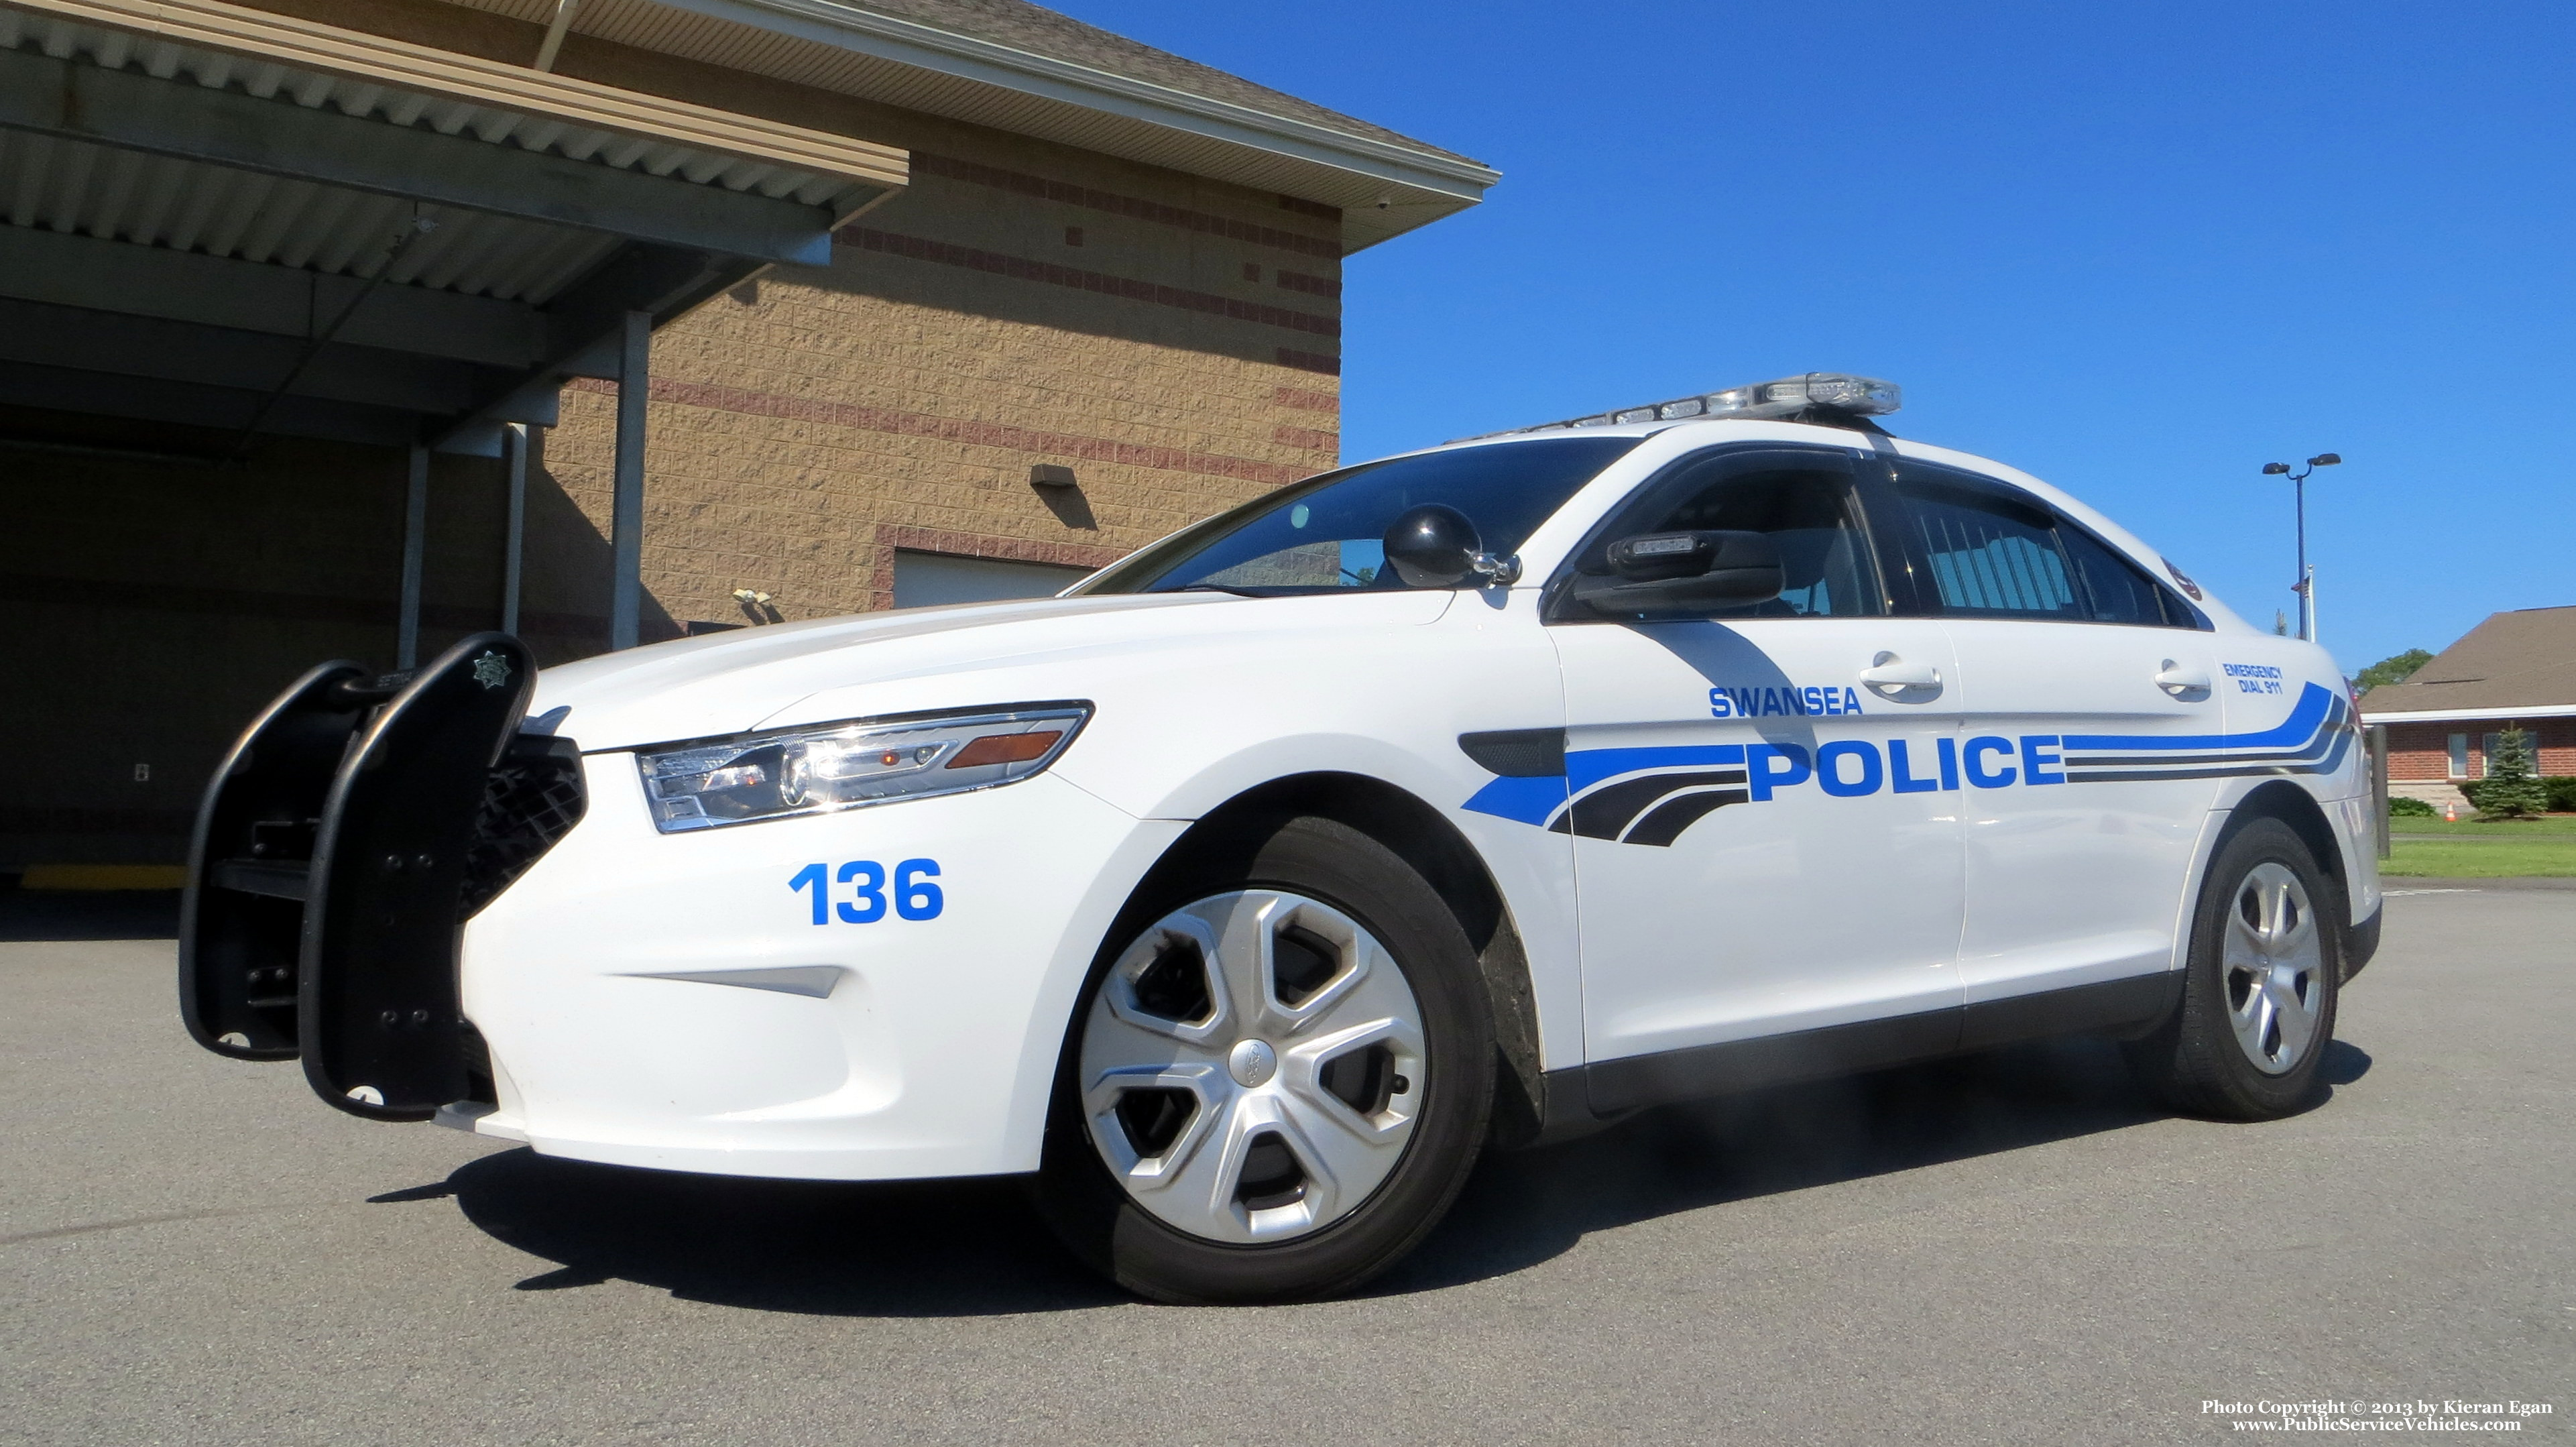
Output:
(1348, 871)
(2198, 1061)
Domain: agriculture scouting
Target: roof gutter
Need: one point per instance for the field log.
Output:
(2440, 715)
(925, 47)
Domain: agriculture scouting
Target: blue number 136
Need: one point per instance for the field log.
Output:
(863, 884)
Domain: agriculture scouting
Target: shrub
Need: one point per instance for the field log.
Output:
(2510, 790)
(2402, 807)
(2562, 793)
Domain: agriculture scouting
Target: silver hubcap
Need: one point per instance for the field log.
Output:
(1252, 1067)
(2274, 969)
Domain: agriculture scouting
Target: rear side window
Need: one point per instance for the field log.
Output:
(2117, 590)
(1991, 556)
(1991, 552)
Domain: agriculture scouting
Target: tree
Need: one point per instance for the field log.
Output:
(2510, 790)
(2396, 669)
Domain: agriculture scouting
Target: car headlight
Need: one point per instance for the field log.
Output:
(814, 770)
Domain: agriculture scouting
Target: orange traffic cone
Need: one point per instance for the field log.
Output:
(2450, 811)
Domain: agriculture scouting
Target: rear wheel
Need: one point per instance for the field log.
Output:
(2258, 1006)
(1277, 1083)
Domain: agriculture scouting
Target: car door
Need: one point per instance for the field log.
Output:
(1762, 841)
(2072, 662)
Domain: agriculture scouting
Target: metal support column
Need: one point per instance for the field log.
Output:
(415, 524)
(2375, 737)
(626, 509)
(514, 538)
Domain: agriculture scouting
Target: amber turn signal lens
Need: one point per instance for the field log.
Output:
(1005, 749)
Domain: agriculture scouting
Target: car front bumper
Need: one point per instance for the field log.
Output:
(668, 1001)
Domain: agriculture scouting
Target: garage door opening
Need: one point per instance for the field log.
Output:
(923, 580)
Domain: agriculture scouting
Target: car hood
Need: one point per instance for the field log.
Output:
(754, 677)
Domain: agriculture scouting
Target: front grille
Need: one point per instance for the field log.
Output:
(531, 799)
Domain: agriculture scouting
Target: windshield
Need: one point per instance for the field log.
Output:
(1325, 533)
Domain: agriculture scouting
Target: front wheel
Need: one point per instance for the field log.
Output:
(1277, 1083)
(2258, 1005)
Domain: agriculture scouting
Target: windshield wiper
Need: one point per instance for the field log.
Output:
(1212, 588)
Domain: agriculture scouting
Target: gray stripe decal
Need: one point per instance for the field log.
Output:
(817, 981)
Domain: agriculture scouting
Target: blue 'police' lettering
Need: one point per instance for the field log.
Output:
(1948, 749)
(1978, 774)
(2037, 752)
(1759, 774)
(1829, 772)
(1900, 772)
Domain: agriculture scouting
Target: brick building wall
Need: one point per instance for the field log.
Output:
(1175, 341)
(2422, 751)
(804, 427)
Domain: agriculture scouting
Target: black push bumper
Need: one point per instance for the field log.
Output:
(350, 834)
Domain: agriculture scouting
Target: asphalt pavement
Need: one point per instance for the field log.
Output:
(2012, 1248)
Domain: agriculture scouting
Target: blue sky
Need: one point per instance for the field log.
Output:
(2137, 250)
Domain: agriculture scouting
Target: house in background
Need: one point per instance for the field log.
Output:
(2515, 670)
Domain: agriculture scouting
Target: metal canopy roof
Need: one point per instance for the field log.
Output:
(1021, 68)
(205, 205)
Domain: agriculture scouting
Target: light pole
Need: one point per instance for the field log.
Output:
(2306, 587)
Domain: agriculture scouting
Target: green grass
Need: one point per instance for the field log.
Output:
(2554, 825)
(2484, 857)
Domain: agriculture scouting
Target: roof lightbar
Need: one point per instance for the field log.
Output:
(1789, 397)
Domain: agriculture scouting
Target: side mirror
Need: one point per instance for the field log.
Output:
(1695, 572)
(1433, 546)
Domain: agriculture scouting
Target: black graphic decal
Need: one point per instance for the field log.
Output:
(1606, 812)
(1665, 822)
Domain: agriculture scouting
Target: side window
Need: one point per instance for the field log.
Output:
(1808, 516)
(2114, 588)
(1991, 555)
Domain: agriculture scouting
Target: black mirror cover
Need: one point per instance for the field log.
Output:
(1432, 546)
(1668, 574)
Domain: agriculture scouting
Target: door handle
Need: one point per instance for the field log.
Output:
(1890, 675)
(2179, 681)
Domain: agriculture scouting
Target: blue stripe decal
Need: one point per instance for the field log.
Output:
(2334, 759)
(1535, 801)
(2298, 728)
(1528, 801)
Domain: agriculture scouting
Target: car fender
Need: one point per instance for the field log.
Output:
(2346, 821)
(1068, 970)
(1528, 869)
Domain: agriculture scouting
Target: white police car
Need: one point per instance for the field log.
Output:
(1246, 891)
